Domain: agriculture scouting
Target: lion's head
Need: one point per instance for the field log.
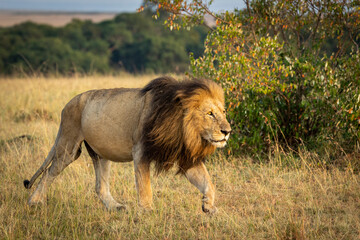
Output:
(186, 122)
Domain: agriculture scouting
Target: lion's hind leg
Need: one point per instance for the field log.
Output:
(65, 151)
(102, 172)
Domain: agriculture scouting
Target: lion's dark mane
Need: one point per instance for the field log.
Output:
(163, 135)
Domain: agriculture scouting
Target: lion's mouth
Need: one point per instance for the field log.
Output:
(218, 141)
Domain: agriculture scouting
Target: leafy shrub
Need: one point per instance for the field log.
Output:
(290, 70)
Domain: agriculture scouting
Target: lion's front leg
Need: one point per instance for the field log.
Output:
(142, 179)
(200, 178)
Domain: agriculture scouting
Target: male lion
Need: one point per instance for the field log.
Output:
(166, 122)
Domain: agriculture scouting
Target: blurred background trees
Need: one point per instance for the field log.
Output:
(132, 42)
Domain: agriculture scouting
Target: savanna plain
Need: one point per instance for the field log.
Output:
(255, 200)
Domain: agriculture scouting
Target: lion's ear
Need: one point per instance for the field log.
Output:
(180, 96)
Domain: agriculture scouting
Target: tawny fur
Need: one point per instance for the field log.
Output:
(167, 122)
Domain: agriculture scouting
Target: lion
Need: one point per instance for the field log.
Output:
(167, 122)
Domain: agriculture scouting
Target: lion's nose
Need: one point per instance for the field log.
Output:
(225, 132)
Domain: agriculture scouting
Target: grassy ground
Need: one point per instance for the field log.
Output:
(255, 201)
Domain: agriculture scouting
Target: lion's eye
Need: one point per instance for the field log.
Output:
(210, 113)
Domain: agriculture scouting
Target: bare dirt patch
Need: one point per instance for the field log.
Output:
(56, 19)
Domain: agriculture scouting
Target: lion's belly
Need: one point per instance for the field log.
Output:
(113, 148)
(108, 124)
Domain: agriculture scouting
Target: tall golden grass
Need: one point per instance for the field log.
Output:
(255, 201)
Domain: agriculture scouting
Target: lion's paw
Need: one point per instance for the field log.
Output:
(37, 200)
(36, 203)
(209, 209)
(120, 208)
(147, 210)
(115, 206)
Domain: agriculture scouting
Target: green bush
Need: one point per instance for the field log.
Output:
(290, 70)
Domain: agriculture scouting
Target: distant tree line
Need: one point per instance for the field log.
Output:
(132, 42)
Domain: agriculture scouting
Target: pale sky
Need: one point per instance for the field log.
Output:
(98, 5)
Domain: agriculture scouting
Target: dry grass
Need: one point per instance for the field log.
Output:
(255, 201)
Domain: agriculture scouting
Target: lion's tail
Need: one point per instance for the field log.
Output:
(28, 184)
